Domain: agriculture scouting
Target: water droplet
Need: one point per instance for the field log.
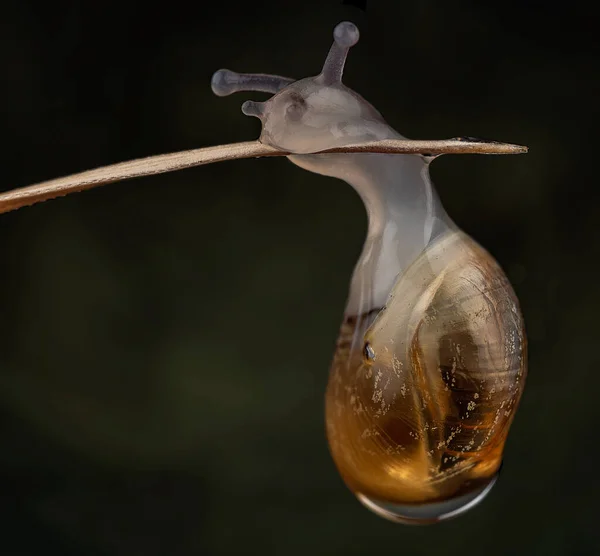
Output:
(432, 512)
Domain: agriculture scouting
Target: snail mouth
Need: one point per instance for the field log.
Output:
(428, 513)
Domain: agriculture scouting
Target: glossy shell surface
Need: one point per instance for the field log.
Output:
(422, 393)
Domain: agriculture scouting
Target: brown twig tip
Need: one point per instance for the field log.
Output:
(507, 148)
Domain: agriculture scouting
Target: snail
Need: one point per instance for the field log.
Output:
(430, 362)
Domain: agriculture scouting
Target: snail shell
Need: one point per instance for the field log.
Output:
(422, 393)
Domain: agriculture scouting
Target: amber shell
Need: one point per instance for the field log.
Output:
(422, 393)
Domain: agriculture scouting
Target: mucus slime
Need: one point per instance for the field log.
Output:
(430, 362)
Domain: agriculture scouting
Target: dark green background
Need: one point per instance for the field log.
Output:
(166, 341)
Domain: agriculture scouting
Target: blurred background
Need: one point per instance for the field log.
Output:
(166, 341)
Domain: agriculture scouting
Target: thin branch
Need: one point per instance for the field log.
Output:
(160, 164)
(24, 196)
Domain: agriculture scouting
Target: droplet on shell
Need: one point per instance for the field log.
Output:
(432, 512)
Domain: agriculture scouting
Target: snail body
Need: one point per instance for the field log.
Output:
(431, 358)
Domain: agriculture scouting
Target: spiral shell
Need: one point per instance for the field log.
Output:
(422, 393)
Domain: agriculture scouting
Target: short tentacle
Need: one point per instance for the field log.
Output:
(253, 108)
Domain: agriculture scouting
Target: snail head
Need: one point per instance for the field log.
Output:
(311, 114)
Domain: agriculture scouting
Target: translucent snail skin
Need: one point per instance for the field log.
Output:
(430, 362)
